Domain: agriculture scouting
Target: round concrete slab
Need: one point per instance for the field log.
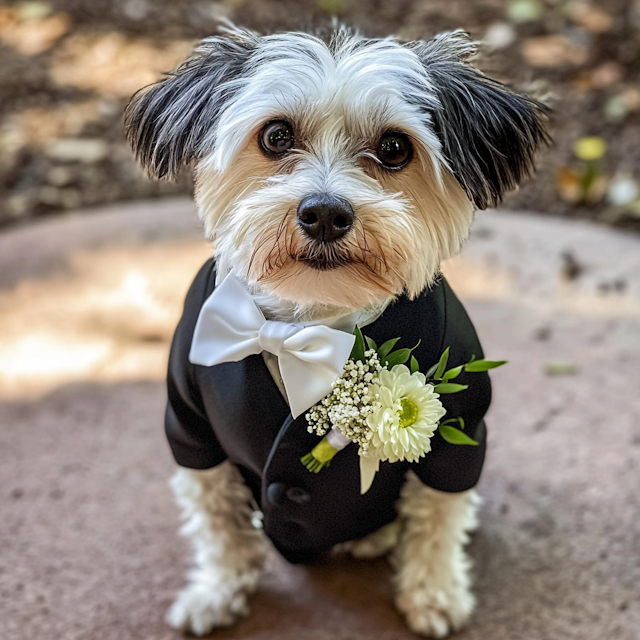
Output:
(88, 542)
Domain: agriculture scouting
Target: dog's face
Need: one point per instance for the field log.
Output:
(336, 173)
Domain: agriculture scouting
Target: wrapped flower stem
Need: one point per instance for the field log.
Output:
(322, 454)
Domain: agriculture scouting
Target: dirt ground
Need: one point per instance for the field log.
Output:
(68, 67)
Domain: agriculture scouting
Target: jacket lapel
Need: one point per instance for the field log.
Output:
(246, 409)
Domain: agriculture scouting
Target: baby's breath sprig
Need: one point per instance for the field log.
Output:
(346, 408)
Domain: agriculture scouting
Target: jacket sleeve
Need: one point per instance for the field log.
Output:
(449, 467)
(188, 430)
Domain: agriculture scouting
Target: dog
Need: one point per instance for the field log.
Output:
(333, 175)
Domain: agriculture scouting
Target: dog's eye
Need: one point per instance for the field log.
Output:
(277, 137)
(394, 150)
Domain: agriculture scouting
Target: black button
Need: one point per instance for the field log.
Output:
(275, 492)
(297, 494)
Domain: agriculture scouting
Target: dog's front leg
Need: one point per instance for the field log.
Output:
(432, 569)
(229, 552)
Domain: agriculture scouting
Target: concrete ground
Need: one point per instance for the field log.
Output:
(88, 532)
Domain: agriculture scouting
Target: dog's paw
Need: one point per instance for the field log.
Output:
(375, 545)
(201, 608)
(436, 613)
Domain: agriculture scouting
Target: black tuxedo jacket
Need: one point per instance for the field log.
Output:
(235, 411)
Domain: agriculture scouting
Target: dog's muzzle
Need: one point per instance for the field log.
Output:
(324, 217)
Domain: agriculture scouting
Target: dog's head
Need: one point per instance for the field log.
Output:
(337, 172)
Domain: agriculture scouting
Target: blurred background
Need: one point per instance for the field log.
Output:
(69, 67)
(95, 260)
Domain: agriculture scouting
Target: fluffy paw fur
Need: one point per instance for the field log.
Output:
(375, 545)
(433, 573)
(201, 607)
(434, 612)
(228, 552)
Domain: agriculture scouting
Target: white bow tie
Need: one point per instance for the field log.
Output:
(231, 327)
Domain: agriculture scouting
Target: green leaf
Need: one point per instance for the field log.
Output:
(560, 369)
(397, 357)
(371, 344)
(400, 356)
(431, 371)
(452, 373)
(386, 347)
(357, 353)
(450, 387)
(414, 365)
(459, 420)
(442, 365)
(483, 365)
(453, 436)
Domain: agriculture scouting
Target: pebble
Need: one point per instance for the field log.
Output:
(87, 150)
(499, 36)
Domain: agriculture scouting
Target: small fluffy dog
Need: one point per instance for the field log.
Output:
(333, 174)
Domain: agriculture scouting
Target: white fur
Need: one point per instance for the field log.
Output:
(377, 544)
(433, 580)
(229, 552)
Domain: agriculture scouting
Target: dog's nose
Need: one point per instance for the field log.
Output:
(325, 217)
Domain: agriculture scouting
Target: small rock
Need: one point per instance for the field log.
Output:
(571, 268)
(615, 109)
(110, 107)
(621, 104)
(136, 9)
(483, 233)
(619, 285)
(49, 196)
(623, 190)
(592, 19)
(70, 198)
(209, 12)
(542, 333)
(59, 176)
(18, 205)
(553, 51)
(35, 35)
(499, 35)
(87, 150)
(606, 74)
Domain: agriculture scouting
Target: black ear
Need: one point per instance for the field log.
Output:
(488, 131)
(168, 123)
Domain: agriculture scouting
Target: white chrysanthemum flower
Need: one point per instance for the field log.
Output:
(405, 418)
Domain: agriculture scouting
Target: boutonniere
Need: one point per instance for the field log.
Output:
(389, 409)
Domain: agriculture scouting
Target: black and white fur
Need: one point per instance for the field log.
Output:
(473, 139)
